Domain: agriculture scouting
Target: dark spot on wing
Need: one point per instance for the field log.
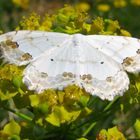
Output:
(102, 62)
(138, 51)
(52, 59)
(17, 44)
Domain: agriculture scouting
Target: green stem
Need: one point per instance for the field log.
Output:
(110, 104)
(21, 115)
(21, 91)
(100, 115)
(89, 129)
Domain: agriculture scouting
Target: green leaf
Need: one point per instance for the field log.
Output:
(87, 27)
(21, 101)
(17, 81)
(34, 99)
(14, 137)
(38, 131)
(84, 100)
(137, 84)
(62, 18)
(71, 30)
(61, 115)
(7, 95)
(12, 128)
(54, 118)
(137, 127)
(43, 107)
(87, 111)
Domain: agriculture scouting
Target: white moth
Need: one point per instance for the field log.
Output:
(97, 63)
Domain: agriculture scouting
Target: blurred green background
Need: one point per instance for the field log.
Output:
(127, 12)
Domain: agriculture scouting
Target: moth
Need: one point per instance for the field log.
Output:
(97, 63)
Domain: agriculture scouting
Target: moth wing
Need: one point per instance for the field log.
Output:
(124, 50)
(77, 62)
(21, 47)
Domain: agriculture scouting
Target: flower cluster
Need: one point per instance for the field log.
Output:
(71, 20)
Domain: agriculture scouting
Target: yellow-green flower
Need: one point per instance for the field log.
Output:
(31, 23)
(21, 3)
(83, 6)
(110, 134)
(120, 3)
(46, 23)
(71, 20)
(103, 7)
(125, 33)
(8, 71)
(135, 2)
(112, 26)
(97, 26)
